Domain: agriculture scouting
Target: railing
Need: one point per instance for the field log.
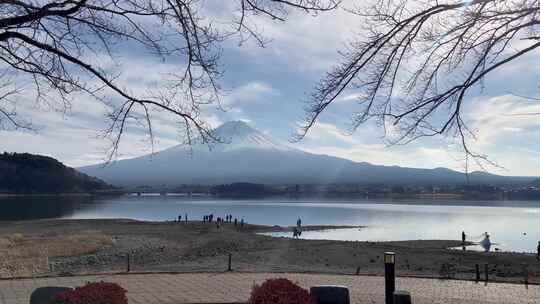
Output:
(238, 261)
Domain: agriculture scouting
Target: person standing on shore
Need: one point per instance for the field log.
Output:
(179, 218)
(242, 223)
(235, 222)
(186, 217)
(295, 233)
(538, 252)
(463, 236)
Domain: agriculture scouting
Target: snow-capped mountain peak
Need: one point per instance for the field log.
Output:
(234, 131)
(238, 134)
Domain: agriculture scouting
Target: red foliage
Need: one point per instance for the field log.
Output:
(279, 291)
(94, 293)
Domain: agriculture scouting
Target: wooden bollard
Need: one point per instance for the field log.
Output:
(402, 297)
(49, 265)
(230, 262)
(128, 263)
(477, 273)
(486, 270)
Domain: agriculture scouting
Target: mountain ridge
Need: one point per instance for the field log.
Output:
(248, 155)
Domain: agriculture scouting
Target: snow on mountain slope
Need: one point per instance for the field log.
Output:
(238, 134)
(235, 135)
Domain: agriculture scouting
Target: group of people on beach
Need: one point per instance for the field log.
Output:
(485, 242)
(220, 220)
(180, 217)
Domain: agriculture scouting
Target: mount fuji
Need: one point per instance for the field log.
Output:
(247, 155)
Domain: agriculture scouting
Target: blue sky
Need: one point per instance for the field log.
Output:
(267, 86)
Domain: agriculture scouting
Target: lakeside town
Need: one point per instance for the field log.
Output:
(251, 190)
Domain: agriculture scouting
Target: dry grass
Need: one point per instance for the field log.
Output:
(23, 255)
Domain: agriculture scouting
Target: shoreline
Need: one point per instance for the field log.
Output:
(101, 245)
(307, 196)
(277, 228)
(75, 194)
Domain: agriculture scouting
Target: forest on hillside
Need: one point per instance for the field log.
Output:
(24, 173)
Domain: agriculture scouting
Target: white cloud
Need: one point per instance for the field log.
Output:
(328, 139)
(75, 147)
(326, 131)
(306, 42)
(496, 118)
(249, 92)
(380, 154)
(350, 97)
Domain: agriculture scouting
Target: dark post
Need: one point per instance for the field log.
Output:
(330, 294)
(230, 262)
(50, 265)
(389, 276)
(487, 272)
(525, 275)
(128, 262)
(402, 297)
(477, 273)
(358, 270)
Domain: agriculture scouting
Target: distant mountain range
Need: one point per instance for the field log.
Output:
(24, 173)
(248, 155)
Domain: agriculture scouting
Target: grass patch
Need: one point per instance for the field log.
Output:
(26, 255)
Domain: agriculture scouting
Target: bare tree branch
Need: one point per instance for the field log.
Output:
(50, 42)
(418, 62)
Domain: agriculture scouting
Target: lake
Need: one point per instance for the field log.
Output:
(513, 225)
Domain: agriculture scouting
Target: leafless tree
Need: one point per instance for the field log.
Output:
(53, 43)
(8, 113)
(417, 62)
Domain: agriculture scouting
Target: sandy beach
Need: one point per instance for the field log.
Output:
(64, 247)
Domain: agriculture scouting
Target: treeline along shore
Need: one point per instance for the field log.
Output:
(254, 190)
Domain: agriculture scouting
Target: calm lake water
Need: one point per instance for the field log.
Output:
(513, 225)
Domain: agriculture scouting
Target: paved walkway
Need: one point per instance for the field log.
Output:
(235, 287)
